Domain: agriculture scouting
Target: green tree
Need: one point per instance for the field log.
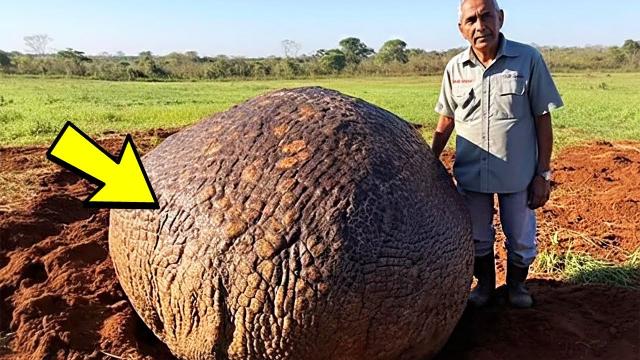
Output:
(631, 46)
(148, 66)
(111, 70)
(319, 53)
(239, 67)
(218, 68)
(355, 50)
(73, 61)
(74, 55)
(288, 68)
(192, 55)
(415, 52)
(133, 74)
(260, 69)
(5, 60)
(393, 50)
(333, 60)
(617, 56)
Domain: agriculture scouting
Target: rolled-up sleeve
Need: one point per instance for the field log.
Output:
(543, 94)
(445, 105)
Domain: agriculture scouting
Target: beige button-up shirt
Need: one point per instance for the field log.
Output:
(494, 110)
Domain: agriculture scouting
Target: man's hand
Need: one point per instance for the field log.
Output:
(539, 192)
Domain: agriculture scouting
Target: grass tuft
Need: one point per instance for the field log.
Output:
(581, 268)
(43, 128)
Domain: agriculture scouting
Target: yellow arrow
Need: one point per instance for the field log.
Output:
(123, 181)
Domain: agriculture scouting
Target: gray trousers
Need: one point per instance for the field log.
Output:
(517, 220)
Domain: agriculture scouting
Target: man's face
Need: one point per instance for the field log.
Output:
(480, 24)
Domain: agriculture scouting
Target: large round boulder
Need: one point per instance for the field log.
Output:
(301, 224)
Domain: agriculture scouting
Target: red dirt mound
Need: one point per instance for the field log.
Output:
(596, 198)
(59, 297)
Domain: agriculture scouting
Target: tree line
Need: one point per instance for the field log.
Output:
(352, 57)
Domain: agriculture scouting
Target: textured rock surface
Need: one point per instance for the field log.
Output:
(300, 224)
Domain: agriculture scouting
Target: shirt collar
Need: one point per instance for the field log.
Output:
(504, 49)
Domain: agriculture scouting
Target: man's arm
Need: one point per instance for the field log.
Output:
(540, 188)
(441, 135)
(545, 141)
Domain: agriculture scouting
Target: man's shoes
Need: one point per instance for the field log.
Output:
(516, 290)
(484, 269)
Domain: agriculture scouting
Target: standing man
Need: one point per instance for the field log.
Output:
(498, 95)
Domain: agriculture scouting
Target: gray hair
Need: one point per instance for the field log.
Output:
(495, 5)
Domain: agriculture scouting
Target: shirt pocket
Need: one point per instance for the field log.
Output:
(510, 100)
(467, 104)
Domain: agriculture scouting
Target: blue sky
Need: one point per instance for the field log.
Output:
(256, 28)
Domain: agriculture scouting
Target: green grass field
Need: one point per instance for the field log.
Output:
(33, 110)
